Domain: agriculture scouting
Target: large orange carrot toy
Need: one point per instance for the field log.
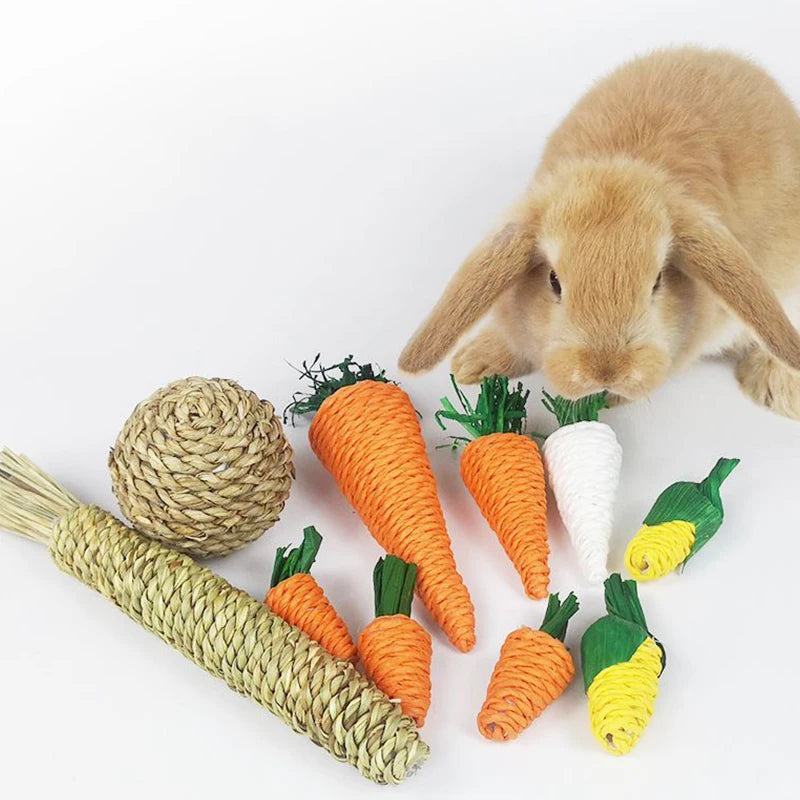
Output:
(366, 433)
(533, 670)
(395, 649)
(299, 599)
(503, 471)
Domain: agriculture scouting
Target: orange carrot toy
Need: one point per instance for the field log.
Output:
(533, 670)
(395, 649)
(298, 598)
(503, 471)
(366, 433)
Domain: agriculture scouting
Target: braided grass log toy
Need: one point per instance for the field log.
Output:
(203, 465)
(682, 520)
(583, 460)
(533, 670)
(622, 663)
(221, 628)
(503, 471)
(296, 596)
(396, 650)
(366, 433)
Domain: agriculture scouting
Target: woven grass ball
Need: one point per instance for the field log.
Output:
(203, 465)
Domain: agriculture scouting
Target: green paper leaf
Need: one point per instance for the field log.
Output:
(325, 381)
(568, 412)
(558, 615)
(614, 638)
(611, 640)
(393, 581)
(498, 409)
(300, 559)
(710, 486)
(622, 599)
(697, 503)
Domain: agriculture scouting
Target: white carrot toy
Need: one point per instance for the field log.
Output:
(583, 460)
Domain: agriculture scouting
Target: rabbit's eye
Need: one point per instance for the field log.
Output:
(657, 284)
(555, 283)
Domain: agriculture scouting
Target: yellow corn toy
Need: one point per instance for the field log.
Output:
(682, 520)
(622, 663)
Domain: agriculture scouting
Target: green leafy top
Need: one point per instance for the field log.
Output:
(324, 381)
(614, 639)
(608, 641)
(393, 580)
(697, 503)
(497, 410)
(622, 600)
(710, 485)
(297, 560)
(558, 614)
(567, 412)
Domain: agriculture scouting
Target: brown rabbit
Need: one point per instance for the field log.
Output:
(663, 224)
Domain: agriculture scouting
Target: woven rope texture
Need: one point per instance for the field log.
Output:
(657, 550)
(236, 638)
(622, 698)
(533, 670)
(583, 463)
(396, 652)
(368, 437)
(504, 474)
(203, 465)
(301, 602)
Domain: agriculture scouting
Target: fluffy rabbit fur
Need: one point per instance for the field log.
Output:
(663, 224)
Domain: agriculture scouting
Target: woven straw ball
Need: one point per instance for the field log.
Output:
(203, 465)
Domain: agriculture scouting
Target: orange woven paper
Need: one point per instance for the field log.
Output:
(505, 476)
(396, 654)
(532, 671)
(302, 603)
(368, 436)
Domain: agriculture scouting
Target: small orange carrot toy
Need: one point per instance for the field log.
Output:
(395, 649)
(503, 471)
(299, 599)
(533, 670)
(366, 433)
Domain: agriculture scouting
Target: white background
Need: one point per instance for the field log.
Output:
(214, 189)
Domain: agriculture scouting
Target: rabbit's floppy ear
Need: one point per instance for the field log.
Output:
(491, 267)
(711, 253)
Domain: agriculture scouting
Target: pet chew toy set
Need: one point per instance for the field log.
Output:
(203, 467)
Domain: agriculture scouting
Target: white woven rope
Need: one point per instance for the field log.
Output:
(583, 463)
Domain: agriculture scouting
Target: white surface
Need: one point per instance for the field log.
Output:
(215, 188)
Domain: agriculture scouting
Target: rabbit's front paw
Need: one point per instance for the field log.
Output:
(769, 382)
(484, 355)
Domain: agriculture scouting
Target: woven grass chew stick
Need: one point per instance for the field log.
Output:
(395, 649)
(682, 520)
(296, 596)
(221, 628)
(583, 460)
(622, 663)
(502, 469)
(365, 431)
(533, 670)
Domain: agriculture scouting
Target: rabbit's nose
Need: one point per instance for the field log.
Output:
(606, 369)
